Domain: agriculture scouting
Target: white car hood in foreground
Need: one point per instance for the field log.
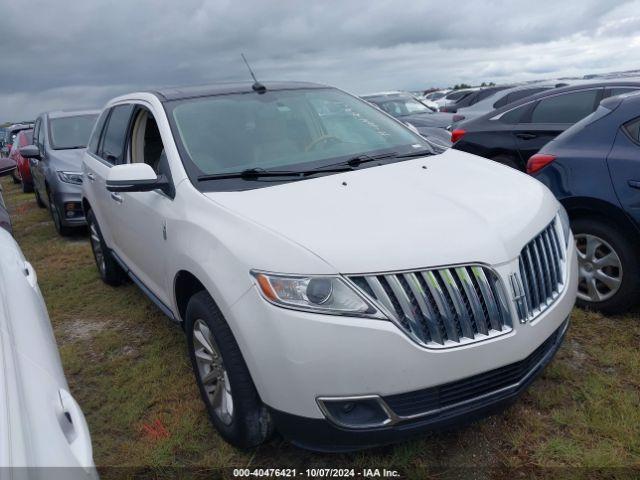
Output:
(461, 208)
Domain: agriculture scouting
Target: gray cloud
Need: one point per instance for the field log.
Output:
(79, 53)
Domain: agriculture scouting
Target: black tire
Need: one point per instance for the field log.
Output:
(27, 187)
(626, 249)
(110, 271)
(39, 201)
(15, 176)
(250, 423)
(508, 161)
(62, 230)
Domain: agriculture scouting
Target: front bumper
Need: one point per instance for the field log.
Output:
(477, 397)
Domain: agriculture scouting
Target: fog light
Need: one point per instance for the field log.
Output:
(362, 412)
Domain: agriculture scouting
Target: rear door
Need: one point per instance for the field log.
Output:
(551, 116)
(106, 148)
(624, 167)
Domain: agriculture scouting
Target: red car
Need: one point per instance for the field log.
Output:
(24, 138)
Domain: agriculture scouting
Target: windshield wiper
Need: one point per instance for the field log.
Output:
(255, 173)
(416, 153)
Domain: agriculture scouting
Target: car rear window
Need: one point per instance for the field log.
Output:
(565, 108)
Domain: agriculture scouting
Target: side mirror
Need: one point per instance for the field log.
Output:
(135, 177)
(30, 151)
(7, 165)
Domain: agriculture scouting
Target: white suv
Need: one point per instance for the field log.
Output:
(338, 279)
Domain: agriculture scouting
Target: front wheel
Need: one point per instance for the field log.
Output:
(39, 201)
(15, 176)
(609, 267)
(226, 387)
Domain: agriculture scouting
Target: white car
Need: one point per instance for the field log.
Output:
(336, 279)
(41, 424)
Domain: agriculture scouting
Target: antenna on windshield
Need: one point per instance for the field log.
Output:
(257, 86)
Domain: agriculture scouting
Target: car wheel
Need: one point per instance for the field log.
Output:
(110, 271)
(15, 176)
(508, 161)
(226, 387)
(39, 201)
(609, 267)
(57, 220)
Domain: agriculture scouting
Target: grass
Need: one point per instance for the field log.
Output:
(127, 366)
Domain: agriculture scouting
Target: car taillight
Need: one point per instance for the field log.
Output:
(457, 134)
(458, 118)
(539, 161)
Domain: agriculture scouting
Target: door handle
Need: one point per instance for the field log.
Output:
(526, 136)
(116, 197)
(634, 184)
(91, 177)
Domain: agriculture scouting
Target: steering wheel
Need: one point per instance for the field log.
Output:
(324, 138)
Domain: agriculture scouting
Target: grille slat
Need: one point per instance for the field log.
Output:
(541, 270)
(428, 313)
(442, 307)
(444, 311)
(476, 306)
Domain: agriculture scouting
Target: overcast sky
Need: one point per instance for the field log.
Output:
(79, 53)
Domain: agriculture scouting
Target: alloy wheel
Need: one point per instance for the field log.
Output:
(212, 372)
(600, 268)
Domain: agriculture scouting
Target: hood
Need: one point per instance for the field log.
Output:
(460, 209)
(438, 119)
(67, 160)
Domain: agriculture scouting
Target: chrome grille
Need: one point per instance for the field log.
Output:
(442, 307)
(541, 268)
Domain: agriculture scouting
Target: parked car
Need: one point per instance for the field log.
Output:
(6, 167)
(24, 138)
(473, 98)
(512, 134)
(500, 98)
(593, 168)
(436, 95)
(408, 109)
(41, 424)
(454, 96)
(11, 132)
(336, 280)
(55, 161)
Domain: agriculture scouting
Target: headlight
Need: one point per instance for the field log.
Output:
(71, 177)
(321, 294)
(566, 226)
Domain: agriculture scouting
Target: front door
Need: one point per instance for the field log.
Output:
(140, 222)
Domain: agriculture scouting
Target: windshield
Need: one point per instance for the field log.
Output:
(401, 107)
(284, 129)
(71, 132)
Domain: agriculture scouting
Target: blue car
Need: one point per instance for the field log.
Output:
(593, 168)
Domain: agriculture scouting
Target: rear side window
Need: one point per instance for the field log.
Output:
(515, 116)
(633, 129)
(518, 95)
(115, 134)
(613, 92)
(566, 108)
(92, 146)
